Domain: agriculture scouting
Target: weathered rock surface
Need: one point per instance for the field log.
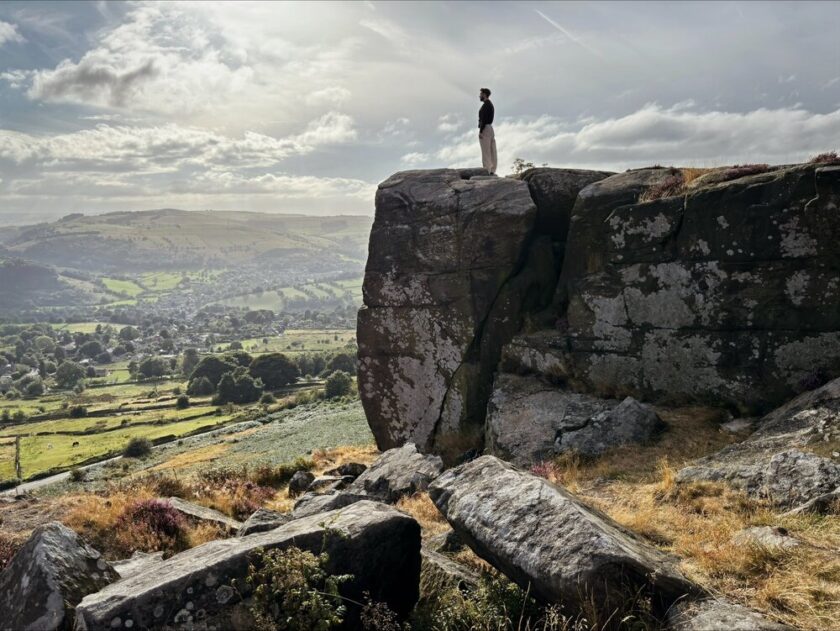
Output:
(325, 483)
(443, 570)
(728, 293)
(47, 577)
(717, 615)
(314, 503)
(396, 473)
(300, 482)
(448, 541)
(454, 266)
(137, 563)
(202, 513)
(766, 536)
(773, 461)
(825, 504)
(348, 469)
(529, 420)
(377, 544)
(539, 534)
(262, 520)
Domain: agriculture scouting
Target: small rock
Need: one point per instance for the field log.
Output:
(300, 482)
(326, 483)
(262, 520)
(446, 571)
(397, 472)
(448, 541)
(202, 513)
(48, 577)
(352, 469)
(825, 504)
(716, 615)
(766, 536)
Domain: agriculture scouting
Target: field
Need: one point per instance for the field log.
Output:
(294, 341)
(299, 297)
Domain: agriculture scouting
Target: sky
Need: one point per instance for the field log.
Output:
(305, 107)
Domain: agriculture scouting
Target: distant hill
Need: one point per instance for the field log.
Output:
(176, 239)
(24, 284)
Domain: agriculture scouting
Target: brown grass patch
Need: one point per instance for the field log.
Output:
(423, 509)
(192, 457)
(330, 458)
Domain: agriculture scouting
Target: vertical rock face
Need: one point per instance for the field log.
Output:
(453, 266)
(727, 293)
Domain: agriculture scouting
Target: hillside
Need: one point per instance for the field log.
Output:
(171, 239)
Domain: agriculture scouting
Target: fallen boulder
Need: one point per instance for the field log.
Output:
(261, 520)
(541, 536)
(325, 483)
(137, 563)
(775, 462)
(377, 544)
(202, 513)
(48, 577)
(314, 503)
(347, 469)
(443, 570)
(714, 614)
(397, 472)
(824, 504)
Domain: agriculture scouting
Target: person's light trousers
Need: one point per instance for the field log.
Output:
(487, 140)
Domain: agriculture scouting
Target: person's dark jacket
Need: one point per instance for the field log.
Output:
(485, 115)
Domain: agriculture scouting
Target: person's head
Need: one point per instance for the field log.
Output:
(483, 94)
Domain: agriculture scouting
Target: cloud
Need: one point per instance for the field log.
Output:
(415, 158)
(9, 33)
(449, 123)
(654, 134)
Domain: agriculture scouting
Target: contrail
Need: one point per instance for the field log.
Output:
(573, 38)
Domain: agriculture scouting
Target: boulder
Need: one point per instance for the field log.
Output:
(714, 614)
(541, 536)
(202, 513)
(774, 461)
(48, 577)
(442, 570)
(137, 563)
(826, 504)
(448, 541)
(348, 469)
(314, 503)
(724, 293)
(300, 482)
(325, 483)
(396, 473)
(630, 422)
(261, 520)
(377, 544)
(454, 266)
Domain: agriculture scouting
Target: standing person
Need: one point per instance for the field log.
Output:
(486, 136)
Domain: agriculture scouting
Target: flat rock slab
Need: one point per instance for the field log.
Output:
(540, 535)
(774, 461)
(202, 513)
(397, 472)
(263, 520)
(314, 503)
(766, 537)
(719, 615)
(446, 571)
(377, 544)
(47, 577)
(138, 562)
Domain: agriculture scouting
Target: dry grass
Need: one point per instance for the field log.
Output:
(421, 507)
(697, 522)
(330, 458)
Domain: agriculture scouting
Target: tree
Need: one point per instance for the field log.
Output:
(103, 358)
(342, 362)
(129, 333)
(35, 388)
(189, 360)
(238, 387)
(200, 387)
(153, 367)
(274, 369)
(338, 384)
(212, 367)
(91, 348)
(182, 402)
(235, 346)
(68, 374)
(240, 358)
(44, 343)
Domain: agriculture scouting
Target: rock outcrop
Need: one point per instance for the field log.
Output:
(49, 576)
(377, 544)
(544, 539)
(263, 520)
(197, 512)
(454, 267)
(715, 614)
(396, 473)
(777, 461)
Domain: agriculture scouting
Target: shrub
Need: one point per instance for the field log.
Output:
(281, 474)
(267, 398)
(829, 157)
(200, 387)
(166, 486)
(151, 525)
(293, 590)
(238, 388)
(78, 475)
(182, 402)
(343, 362)
(669, 187)
(78, 411)
(338, 384)
(138, 448)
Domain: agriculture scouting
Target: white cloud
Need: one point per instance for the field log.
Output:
(449, 123)
(416, 158)
(9, 33)
(654, 134)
